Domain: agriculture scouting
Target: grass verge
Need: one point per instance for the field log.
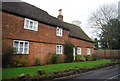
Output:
(14, 72)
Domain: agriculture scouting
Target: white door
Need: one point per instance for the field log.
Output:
(74, 53)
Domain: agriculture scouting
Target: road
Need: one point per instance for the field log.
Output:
(106, 74)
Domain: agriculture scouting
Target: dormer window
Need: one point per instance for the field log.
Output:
(30, 24)
(59, 31)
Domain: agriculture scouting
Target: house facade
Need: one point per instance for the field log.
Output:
(33, 33)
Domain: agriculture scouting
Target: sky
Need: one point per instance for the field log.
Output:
(72, 10)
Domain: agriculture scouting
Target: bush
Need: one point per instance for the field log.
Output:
(54, 58)
(77, 57)
(37, 62)
(80, 58)
(88, 57)
(95, 57)
(68, 51)
(41, 71)
(7, 55)
(20, 62)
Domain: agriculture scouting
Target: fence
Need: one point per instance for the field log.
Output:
(110, 54)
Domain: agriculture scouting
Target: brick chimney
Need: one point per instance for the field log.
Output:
(60, 16)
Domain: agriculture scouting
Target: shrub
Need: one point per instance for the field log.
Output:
(77, 57)
(23, 75)
(80, 58)
(48, 56)
(41, 71)
(88, 57)
(54, 58)
(7, 55)
(20, 62)
(95, 57)
(37, 62)
(68, 51)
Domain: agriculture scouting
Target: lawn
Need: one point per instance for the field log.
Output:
(13, 72)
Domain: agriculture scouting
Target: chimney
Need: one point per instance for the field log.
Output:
(60, 16)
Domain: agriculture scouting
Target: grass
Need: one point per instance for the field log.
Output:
(14, 72)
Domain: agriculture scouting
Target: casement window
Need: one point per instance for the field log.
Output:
(31, 24)
(21, 47)
(59, 31)
(88, 51)
(59, 49)
(79, 51)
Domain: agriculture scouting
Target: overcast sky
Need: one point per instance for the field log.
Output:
(72, 9)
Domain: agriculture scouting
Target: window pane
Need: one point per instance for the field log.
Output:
(21, 50)
(88, 51)
(60, 31)
(31, 24)
(25, 50)
(60, 50)
(16, 46)
(57, 31)
(21, 47)
(57, 49)
(16, 43)
(21, 44)
(35, 26)
(78, 50)
(27, 23)
(26, 44)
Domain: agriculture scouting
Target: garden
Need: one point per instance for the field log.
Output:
(16, 69)
(15, 72)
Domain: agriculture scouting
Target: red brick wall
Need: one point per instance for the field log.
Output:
(36, 50)
(13, 28)
(82, 44)
(40, 50)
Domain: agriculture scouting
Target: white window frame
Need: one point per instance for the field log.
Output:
(79, 50)
(88, 51)
(58, 50)
(23, 51)
(34, 25)
(59, 31)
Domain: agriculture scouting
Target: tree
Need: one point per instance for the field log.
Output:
(102, 15)
(96, 43)
(105, 18)
(112, 34)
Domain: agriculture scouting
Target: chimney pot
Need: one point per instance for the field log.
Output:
(60, 16)
(60, 12)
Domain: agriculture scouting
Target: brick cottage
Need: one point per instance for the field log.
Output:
(34, 33)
